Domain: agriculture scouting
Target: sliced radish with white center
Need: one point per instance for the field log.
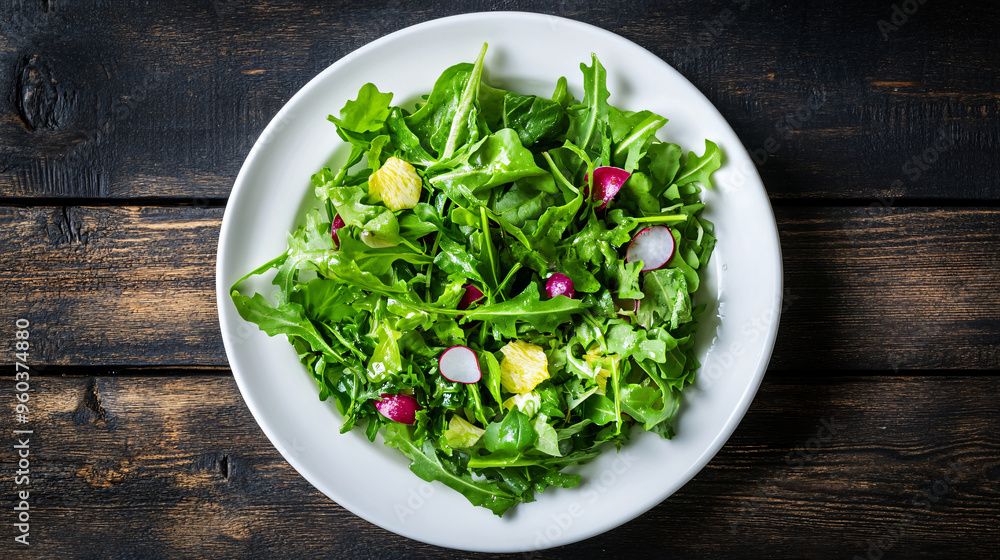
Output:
(398, 408)
(559, 285)
(338, 223)
(607, 182)
(653, 246)
(460, 364)
(472, 295)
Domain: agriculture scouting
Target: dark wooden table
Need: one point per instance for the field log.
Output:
(876, 127)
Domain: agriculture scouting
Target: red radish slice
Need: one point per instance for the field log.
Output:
(460, 364)
(608, 181)
(472, 295)
(338, 223)
(653, 246)
(559, 285)
(398, 408)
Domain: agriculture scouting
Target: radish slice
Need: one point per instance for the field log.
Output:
(653, 246)
(338, 223)
(472, 295)
(608, 181)
(460, 364)
(398, 408)
(559, 285)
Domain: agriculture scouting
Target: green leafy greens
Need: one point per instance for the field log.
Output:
(503, 204)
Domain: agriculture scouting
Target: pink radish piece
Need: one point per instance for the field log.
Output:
(653, 246)
(460, 364)
(338, 223)
(398, 408)
(472, 295)
(608, 181)
(559, 285)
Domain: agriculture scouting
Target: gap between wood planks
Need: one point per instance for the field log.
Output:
(223, 371)
(183, 202)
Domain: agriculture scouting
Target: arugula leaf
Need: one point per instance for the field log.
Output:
(535, 119)
(496, 160)
(650, 405)
(367, 113)
(622, 339)
(460, 123)
(664, 162)
(666, 298)
(700, 168)
(513, 434)
(554, 221)
(457, 261)
(289, 319)
(599, 409)
(632, 133)
(548, 440)
(492, 374)
(426, 464)
(325, 301)
(406, 141)
(528, 307)
(520, 203)
(587, 118)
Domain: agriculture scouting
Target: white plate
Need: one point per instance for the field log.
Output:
(527, 53)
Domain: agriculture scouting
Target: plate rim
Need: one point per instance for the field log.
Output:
(241, 183)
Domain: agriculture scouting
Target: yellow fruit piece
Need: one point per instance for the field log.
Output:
(396, 184)
(524, 366)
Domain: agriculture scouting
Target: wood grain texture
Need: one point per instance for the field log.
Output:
(106, 285)
(165, 99)
(817, 469)
(888, 289)
(865, 288)
(875, 434)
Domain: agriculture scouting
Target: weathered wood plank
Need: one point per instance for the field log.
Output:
(166, 99)
(107, 285)
(866, 288)
(174, 467)
(880, 288)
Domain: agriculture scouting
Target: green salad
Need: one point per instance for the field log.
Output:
(499, 284)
